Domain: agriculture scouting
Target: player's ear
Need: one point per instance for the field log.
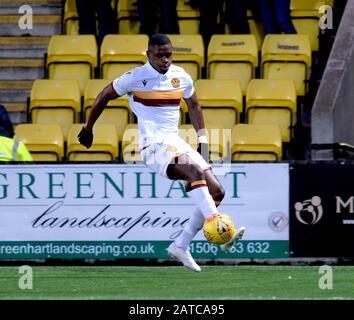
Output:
(148, 54)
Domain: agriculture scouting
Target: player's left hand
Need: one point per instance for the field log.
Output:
(203, 149)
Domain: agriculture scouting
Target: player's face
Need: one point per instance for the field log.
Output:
(160, 57)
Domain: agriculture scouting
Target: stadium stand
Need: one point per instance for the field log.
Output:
(233, 57)
(117, 111)
(256, 142)
(104, 146)
(272, 102)
(221, 101)
(45, 142)
(188, 53)
(121, 53)
(72, 57)
(287, 56)
(55, 101)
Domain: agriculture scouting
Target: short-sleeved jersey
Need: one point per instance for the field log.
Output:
(155, 99)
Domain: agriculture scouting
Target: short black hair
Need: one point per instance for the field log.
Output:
(159, 39)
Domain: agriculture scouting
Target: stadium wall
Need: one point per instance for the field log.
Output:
(333, 109)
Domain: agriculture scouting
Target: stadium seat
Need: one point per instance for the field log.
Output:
(256, 142)
(116, 112)
(188, 17)
(188, 53)
(219, 140)
(305, 17)
(130, 144)
(55, 101)
(45, 142)
(287, 56)
(272, 102)
(71, 18)
(221, 101)
(128, 17)
(72, 57)
(232, 57)
(121, 53)
(104, 146)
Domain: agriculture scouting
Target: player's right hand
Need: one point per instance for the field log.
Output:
(85, 137)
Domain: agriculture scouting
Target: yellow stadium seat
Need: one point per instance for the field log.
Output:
(45, 142)
(72, 57)
(188, 53)
(130, 144)
(256, 142)
(128, 17)
(121, 53)
(55, 101)
(188, 17)
(221, 101)
(305, 16)
(272, 102)
(287, 56)
(104, 146)
(116, 112)
(71, 18)
(233, 57)
(219, 140)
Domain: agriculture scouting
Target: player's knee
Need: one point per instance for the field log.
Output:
(196, 173)
(218, 194)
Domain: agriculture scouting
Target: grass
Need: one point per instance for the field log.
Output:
(169, 283)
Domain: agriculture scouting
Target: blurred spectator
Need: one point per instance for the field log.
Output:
(158, 12)
(10, 148)
(214, 14)
(276, 16)
(106, 18)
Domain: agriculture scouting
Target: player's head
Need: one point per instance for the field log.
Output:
(160, 52)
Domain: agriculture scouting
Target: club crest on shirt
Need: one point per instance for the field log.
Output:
(144, 82)
(175, 82)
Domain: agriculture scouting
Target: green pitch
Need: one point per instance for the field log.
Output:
(214, 282)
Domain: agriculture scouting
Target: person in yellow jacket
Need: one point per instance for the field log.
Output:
(11, 149)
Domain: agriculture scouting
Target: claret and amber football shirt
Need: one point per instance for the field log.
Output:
(155, 99)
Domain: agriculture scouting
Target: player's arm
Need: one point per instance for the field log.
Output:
(197, 119)
(108, 93)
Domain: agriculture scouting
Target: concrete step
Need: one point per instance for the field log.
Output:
(21, 69)
(23, 47)
(15, 91)
(13, 95)
(42, 25)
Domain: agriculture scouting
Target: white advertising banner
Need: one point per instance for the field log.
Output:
(110, 202)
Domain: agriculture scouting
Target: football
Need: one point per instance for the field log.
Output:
(218, 228)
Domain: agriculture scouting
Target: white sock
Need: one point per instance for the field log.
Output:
(194, 224)
(203, 200)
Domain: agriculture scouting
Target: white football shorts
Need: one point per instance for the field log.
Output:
(159, 154)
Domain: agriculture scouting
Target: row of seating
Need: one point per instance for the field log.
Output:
(266, 102)
(228, 57)
(244, 142)
(305, 15)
